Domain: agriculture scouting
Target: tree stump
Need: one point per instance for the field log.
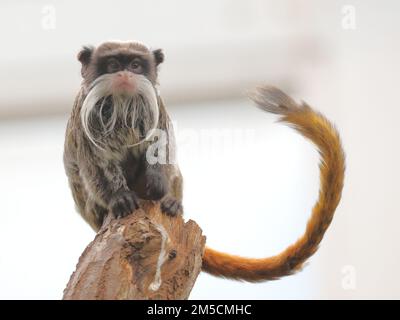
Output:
(146, 255)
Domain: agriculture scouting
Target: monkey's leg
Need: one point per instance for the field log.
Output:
(171, 204)
(150, 183)
(161, 182)
(94, 214)
(107, 185)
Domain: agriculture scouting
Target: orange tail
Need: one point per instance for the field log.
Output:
(322, 133)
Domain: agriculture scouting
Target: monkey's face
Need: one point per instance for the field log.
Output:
(119, 80)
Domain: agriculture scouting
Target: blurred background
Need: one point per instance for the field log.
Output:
(342, 57)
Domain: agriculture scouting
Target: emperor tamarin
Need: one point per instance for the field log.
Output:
(118, 116)
(111, 126)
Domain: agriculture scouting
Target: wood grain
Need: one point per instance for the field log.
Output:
(146, 255)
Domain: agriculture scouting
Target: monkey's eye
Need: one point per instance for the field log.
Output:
(113, 65)
(136, 67)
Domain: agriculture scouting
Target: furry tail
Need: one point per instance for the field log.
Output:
(322, 133)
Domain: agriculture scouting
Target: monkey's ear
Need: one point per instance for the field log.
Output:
(85, 54)
(158, 56)
(84, 57)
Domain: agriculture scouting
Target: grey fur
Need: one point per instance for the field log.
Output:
(271, 99)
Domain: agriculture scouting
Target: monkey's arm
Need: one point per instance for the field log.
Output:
(322, 133)
(161, 182)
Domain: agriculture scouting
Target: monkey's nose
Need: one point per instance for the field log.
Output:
(124, 82)
(124, 74)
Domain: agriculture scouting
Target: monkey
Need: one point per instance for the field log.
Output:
(111, 128)
(106, 136)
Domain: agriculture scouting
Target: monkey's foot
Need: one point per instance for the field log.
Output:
(123, 203)
(171, 206)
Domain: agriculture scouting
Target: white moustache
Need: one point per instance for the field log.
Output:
(141, 104)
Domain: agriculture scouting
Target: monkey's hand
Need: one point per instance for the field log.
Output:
(123, 203)
(171, 206)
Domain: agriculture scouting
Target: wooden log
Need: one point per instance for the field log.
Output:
(146, 255)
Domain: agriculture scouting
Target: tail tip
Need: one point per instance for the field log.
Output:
(272, 99)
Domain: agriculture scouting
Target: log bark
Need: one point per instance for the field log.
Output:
(146, 255)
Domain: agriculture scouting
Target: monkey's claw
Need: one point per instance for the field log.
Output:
(171, 206)
(123, 203)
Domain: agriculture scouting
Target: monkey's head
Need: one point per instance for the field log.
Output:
(119, 84)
